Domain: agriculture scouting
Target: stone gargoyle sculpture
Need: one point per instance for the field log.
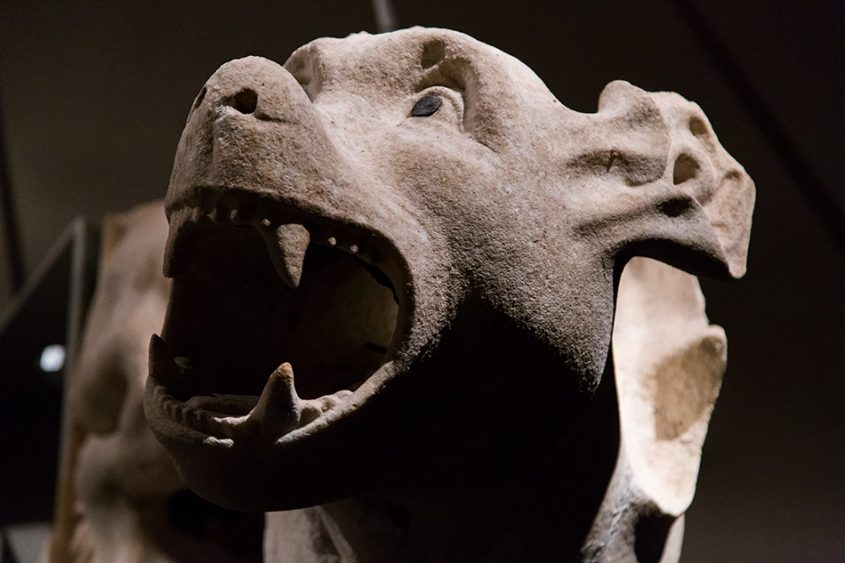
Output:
(121, 499)
(423, 358)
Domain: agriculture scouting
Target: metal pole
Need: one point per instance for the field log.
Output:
(385, 16)
(10, 223)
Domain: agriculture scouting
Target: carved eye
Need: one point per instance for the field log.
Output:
(427, 105)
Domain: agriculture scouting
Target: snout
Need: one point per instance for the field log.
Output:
(252, 86)
(703, 168)
(252, 128)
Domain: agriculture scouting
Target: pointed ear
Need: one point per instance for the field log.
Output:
(669, 365)
(676, 194)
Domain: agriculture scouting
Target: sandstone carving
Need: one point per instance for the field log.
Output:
(421, 365)
(669, 364)
(124, 500)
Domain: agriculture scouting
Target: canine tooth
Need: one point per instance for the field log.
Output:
(278, 408)
(332, 241)
(353, 249)
(287, 245)
(162, 367)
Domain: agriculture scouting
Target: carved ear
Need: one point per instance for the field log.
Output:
(669, 362)
(677, 195)
(669, 365)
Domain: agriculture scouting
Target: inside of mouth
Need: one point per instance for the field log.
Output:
(232, 321)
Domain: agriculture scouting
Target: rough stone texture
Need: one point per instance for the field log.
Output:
(124, 499)
(442, 284)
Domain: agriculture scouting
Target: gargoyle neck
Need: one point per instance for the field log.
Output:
(544, 517)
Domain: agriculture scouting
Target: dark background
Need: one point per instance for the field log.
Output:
(95, 95)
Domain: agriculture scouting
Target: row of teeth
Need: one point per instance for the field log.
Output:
(276, 412)
(286, 242)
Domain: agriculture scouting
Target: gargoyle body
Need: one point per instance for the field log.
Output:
(422, 353)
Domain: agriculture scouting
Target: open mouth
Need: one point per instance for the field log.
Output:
(261, 291)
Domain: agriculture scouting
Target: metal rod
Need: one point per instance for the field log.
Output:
(385, 16)
(10, 222)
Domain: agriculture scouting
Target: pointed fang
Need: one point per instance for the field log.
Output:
(278, 408)
(287, 245)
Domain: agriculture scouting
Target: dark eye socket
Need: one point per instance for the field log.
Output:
(427, 105)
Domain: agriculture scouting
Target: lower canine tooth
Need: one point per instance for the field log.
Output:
(278, 409)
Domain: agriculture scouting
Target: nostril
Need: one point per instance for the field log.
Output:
(674, 207)
(697, 127)
(244, 101)
(686, 168)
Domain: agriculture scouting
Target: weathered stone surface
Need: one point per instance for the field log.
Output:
(435, 315)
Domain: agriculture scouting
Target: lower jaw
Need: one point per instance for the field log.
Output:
(263, 468)
(275, 417)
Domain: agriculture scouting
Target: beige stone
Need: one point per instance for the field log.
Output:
(422, 358)
(669, 362)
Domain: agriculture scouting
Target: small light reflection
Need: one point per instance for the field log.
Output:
(52, 358)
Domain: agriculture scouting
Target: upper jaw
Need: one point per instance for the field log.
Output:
(286, 226)
(179, 403)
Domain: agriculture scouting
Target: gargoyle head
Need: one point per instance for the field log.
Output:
(416, 228)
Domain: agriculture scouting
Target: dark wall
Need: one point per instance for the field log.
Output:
(95, 97)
